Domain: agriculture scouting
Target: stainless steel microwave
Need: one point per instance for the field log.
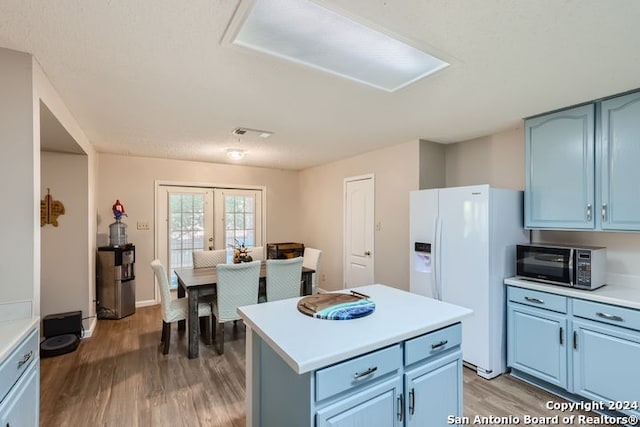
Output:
(579, 267)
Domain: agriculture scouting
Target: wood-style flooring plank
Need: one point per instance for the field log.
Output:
(119, 377)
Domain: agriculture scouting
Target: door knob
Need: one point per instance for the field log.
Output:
(367, 253)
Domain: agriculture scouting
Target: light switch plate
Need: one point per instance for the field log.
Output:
(142, 225)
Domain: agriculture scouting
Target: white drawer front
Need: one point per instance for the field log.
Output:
(356, 372)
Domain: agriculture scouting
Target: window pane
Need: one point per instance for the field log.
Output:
(249, 238)
(239, 225)
(229, 203)
(229, 222)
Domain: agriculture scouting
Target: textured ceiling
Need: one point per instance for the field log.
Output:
(152, 77)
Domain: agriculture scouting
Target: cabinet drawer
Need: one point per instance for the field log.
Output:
(538, 299)
(356, 372)
(17, 362)
(432, 344)
(612, 314)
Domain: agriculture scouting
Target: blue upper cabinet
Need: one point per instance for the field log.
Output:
(620, 163)
(559, 181)
(582, 168)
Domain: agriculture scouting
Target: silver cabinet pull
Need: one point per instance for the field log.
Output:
(440, 344)
(25, 359)
(609, 316)
(589, 212)
(412, 405)
(604, 212)
(365, 373)
(536, 300)
(400, 407)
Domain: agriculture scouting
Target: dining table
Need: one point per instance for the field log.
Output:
(194, 282)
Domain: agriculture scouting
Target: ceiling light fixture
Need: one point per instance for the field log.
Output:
(235, 154)
(307, 33)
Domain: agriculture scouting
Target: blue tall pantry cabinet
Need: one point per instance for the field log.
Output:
(581, 169)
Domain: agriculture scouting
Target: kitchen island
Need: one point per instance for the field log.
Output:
(401, 365)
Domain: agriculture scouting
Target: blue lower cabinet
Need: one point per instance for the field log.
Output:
(417, 382)
(20, 384)
(18, 408)
(590, 353)
(434, 391)
(377, 406)
(605, 365)
(537, 343)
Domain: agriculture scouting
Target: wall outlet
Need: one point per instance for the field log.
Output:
(142, 225)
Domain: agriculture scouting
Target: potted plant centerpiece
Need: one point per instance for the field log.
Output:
(241, 253)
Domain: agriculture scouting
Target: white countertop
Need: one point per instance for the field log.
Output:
(13, 332)
(625, 296)
(307, 343)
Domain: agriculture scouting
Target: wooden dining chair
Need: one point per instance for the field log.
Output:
(311, 260)
(174, 310)
(283, 278)
(237, 286)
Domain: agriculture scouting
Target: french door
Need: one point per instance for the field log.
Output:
(203, 218)
(237, 218)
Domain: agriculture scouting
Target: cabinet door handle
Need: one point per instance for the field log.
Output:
(589, 212)
(440, 344)
(412, 405)
(536, 300)
(365, 373)
(25, 359)
(604, 212)
(609, 316)
(575, 340)
(561, 334)
(400, 407)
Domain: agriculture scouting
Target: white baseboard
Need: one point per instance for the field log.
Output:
(86, 333)
(146, 303)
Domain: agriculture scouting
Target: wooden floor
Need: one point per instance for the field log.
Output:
(119, 377)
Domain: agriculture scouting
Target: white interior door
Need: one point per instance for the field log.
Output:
(186, 225)
(359, 231)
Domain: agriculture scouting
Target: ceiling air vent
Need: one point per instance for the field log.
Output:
(261, 133)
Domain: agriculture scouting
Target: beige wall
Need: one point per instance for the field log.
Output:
(499, 160)
(64, 285)
(84, 295)
(18, 167)
(432, 165)
(24, 86)
(396, 171)
(132, 181)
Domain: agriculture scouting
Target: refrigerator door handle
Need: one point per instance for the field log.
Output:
(436, 258)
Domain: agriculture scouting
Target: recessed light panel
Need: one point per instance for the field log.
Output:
(307, 33)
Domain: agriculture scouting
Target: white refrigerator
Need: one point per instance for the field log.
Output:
(462, 248)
